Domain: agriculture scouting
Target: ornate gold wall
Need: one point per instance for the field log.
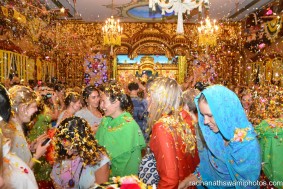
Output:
(145, 39)
(66, 43)
(269, 71)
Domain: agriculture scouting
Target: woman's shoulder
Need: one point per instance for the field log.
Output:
(124, 118)
(127, 121)
(105, 120)
(162, 127)
(167, 122)
(14, 131)
(12, 126)
(104, 160)
(82, 111)
(269, 126)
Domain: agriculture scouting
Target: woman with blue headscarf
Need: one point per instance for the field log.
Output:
(231, 157)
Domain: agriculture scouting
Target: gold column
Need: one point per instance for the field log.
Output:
(114, 61)
(8, 54)
(182, 68)
(39, 69)
(24, 60)
(2, 73)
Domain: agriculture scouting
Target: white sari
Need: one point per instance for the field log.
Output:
(16, 174)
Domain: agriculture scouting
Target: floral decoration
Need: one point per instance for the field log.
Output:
(240, 134)
(126, 182)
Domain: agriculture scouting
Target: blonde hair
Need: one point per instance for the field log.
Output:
(21, 95)
(165, 97)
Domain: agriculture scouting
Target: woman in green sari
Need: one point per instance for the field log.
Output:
(119, 133)
(270, 135)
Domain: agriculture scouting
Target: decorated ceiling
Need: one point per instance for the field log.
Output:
(43, 28)
(138, 10)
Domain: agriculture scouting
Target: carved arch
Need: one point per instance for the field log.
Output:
(148, 40)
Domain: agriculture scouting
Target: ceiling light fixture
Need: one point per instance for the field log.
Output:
(112, 32)
(178, 7)
(208, 32)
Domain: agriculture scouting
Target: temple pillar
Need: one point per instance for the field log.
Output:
(182, 67)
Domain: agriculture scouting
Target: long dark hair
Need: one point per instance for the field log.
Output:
(87, 91)
(5, 112)
(5, 104)
(78, 132)
(115, 92)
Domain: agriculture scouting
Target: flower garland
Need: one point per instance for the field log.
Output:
(126, 182)
(240, 135)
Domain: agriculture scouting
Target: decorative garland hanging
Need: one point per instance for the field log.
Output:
(272, 28)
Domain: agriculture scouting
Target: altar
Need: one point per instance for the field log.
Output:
(148, 67)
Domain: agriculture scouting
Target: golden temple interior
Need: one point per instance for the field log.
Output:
(42, 46)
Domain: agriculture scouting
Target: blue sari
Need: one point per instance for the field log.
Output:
(238, 164)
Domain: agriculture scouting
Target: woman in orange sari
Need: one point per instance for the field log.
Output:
(172, 140)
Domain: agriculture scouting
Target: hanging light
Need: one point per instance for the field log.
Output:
(208, 32)
(112, 32)
(178, 7)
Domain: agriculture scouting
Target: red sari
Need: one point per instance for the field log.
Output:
(173, 163)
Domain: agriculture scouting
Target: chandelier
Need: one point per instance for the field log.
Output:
(208, 33)
(112, 32)
(178, 7)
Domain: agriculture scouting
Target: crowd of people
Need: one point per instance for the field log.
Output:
(168, 135)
